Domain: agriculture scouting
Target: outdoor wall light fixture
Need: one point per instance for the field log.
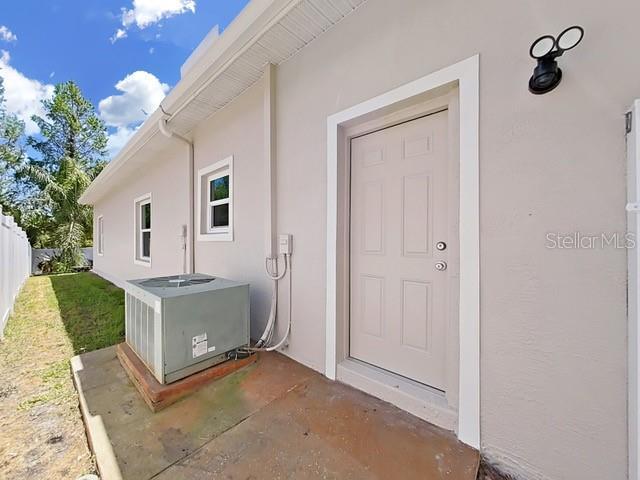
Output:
(547, 75)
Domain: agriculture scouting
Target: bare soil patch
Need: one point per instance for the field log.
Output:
(41, 430)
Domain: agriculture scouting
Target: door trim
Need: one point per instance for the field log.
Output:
(466, 75)
(633, 292)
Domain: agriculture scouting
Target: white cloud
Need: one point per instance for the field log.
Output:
(7, 35)
(23, 95)
(148, 12)
(152, 51)
(119, 139)
(120, 33)
(141, 93)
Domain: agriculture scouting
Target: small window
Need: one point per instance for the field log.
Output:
(143, 230)
(216, 201)
(100, 239)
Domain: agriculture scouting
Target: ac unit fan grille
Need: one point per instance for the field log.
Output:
(174, 282)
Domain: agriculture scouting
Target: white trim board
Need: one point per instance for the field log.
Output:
(466, 74)
(633, 292)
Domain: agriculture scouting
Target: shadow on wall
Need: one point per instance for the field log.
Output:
(92, 310)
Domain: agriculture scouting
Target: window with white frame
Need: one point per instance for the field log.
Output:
(100, 235)
(216, 201)
(143, 230)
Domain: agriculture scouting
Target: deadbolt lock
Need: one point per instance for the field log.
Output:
(441, 246)
(441, 266)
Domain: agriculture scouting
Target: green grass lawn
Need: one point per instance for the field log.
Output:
(55, 317)
(91, 309)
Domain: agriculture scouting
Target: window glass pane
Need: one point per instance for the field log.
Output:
(220, 215)
(146, 244)
(219, 188)
(146, 216)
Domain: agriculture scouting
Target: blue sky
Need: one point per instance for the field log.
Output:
(124, 54)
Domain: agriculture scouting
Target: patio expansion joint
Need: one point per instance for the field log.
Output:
(297, 386)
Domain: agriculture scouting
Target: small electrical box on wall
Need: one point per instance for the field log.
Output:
(285, 244)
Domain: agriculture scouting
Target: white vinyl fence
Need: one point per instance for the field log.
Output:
(15, 265)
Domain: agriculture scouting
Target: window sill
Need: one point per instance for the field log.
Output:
(143, 263)
(215, 237)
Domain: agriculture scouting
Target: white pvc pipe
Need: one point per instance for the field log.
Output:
(269, 329)
(163, 127)
(286, 335)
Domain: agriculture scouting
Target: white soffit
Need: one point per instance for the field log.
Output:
(282, 29)
(300, 25)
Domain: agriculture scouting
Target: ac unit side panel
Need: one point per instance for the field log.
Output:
(158, 356)
(127, 314)
(222, 315)
(143, 331)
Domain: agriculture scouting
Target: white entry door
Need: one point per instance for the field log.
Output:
(400, 249)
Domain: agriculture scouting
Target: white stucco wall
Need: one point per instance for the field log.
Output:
(166, 180)
(553, 322)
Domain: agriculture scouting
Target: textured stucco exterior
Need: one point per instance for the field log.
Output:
(553, 321)
(167, 181)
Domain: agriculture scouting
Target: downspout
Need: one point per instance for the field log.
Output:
(167, 132)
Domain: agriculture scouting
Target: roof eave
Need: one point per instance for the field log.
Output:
(251, 22)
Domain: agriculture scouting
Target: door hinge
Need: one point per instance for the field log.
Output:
(627, 120)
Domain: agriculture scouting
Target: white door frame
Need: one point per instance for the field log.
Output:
(633, 292)
(466, 74)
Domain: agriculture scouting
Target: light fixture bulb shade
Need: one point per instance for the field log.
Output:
(570, 37)
(542, 46)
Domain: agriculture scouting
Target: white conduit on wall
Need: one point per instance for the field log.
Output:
(266, 341)
(267, 337)
(15, 265)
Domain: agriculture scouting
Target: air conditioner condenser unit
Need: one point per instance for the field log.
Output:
(180, 325)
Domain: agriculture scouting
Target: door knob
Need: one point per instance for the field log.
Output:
(441, 246)
(441, 266)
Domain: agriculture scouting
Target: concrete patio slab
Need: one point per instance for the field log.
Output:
(159, 396)
(273, 419)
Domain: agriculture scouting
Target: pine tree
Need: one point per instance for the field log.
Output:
(12, 153)
(71, 148)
